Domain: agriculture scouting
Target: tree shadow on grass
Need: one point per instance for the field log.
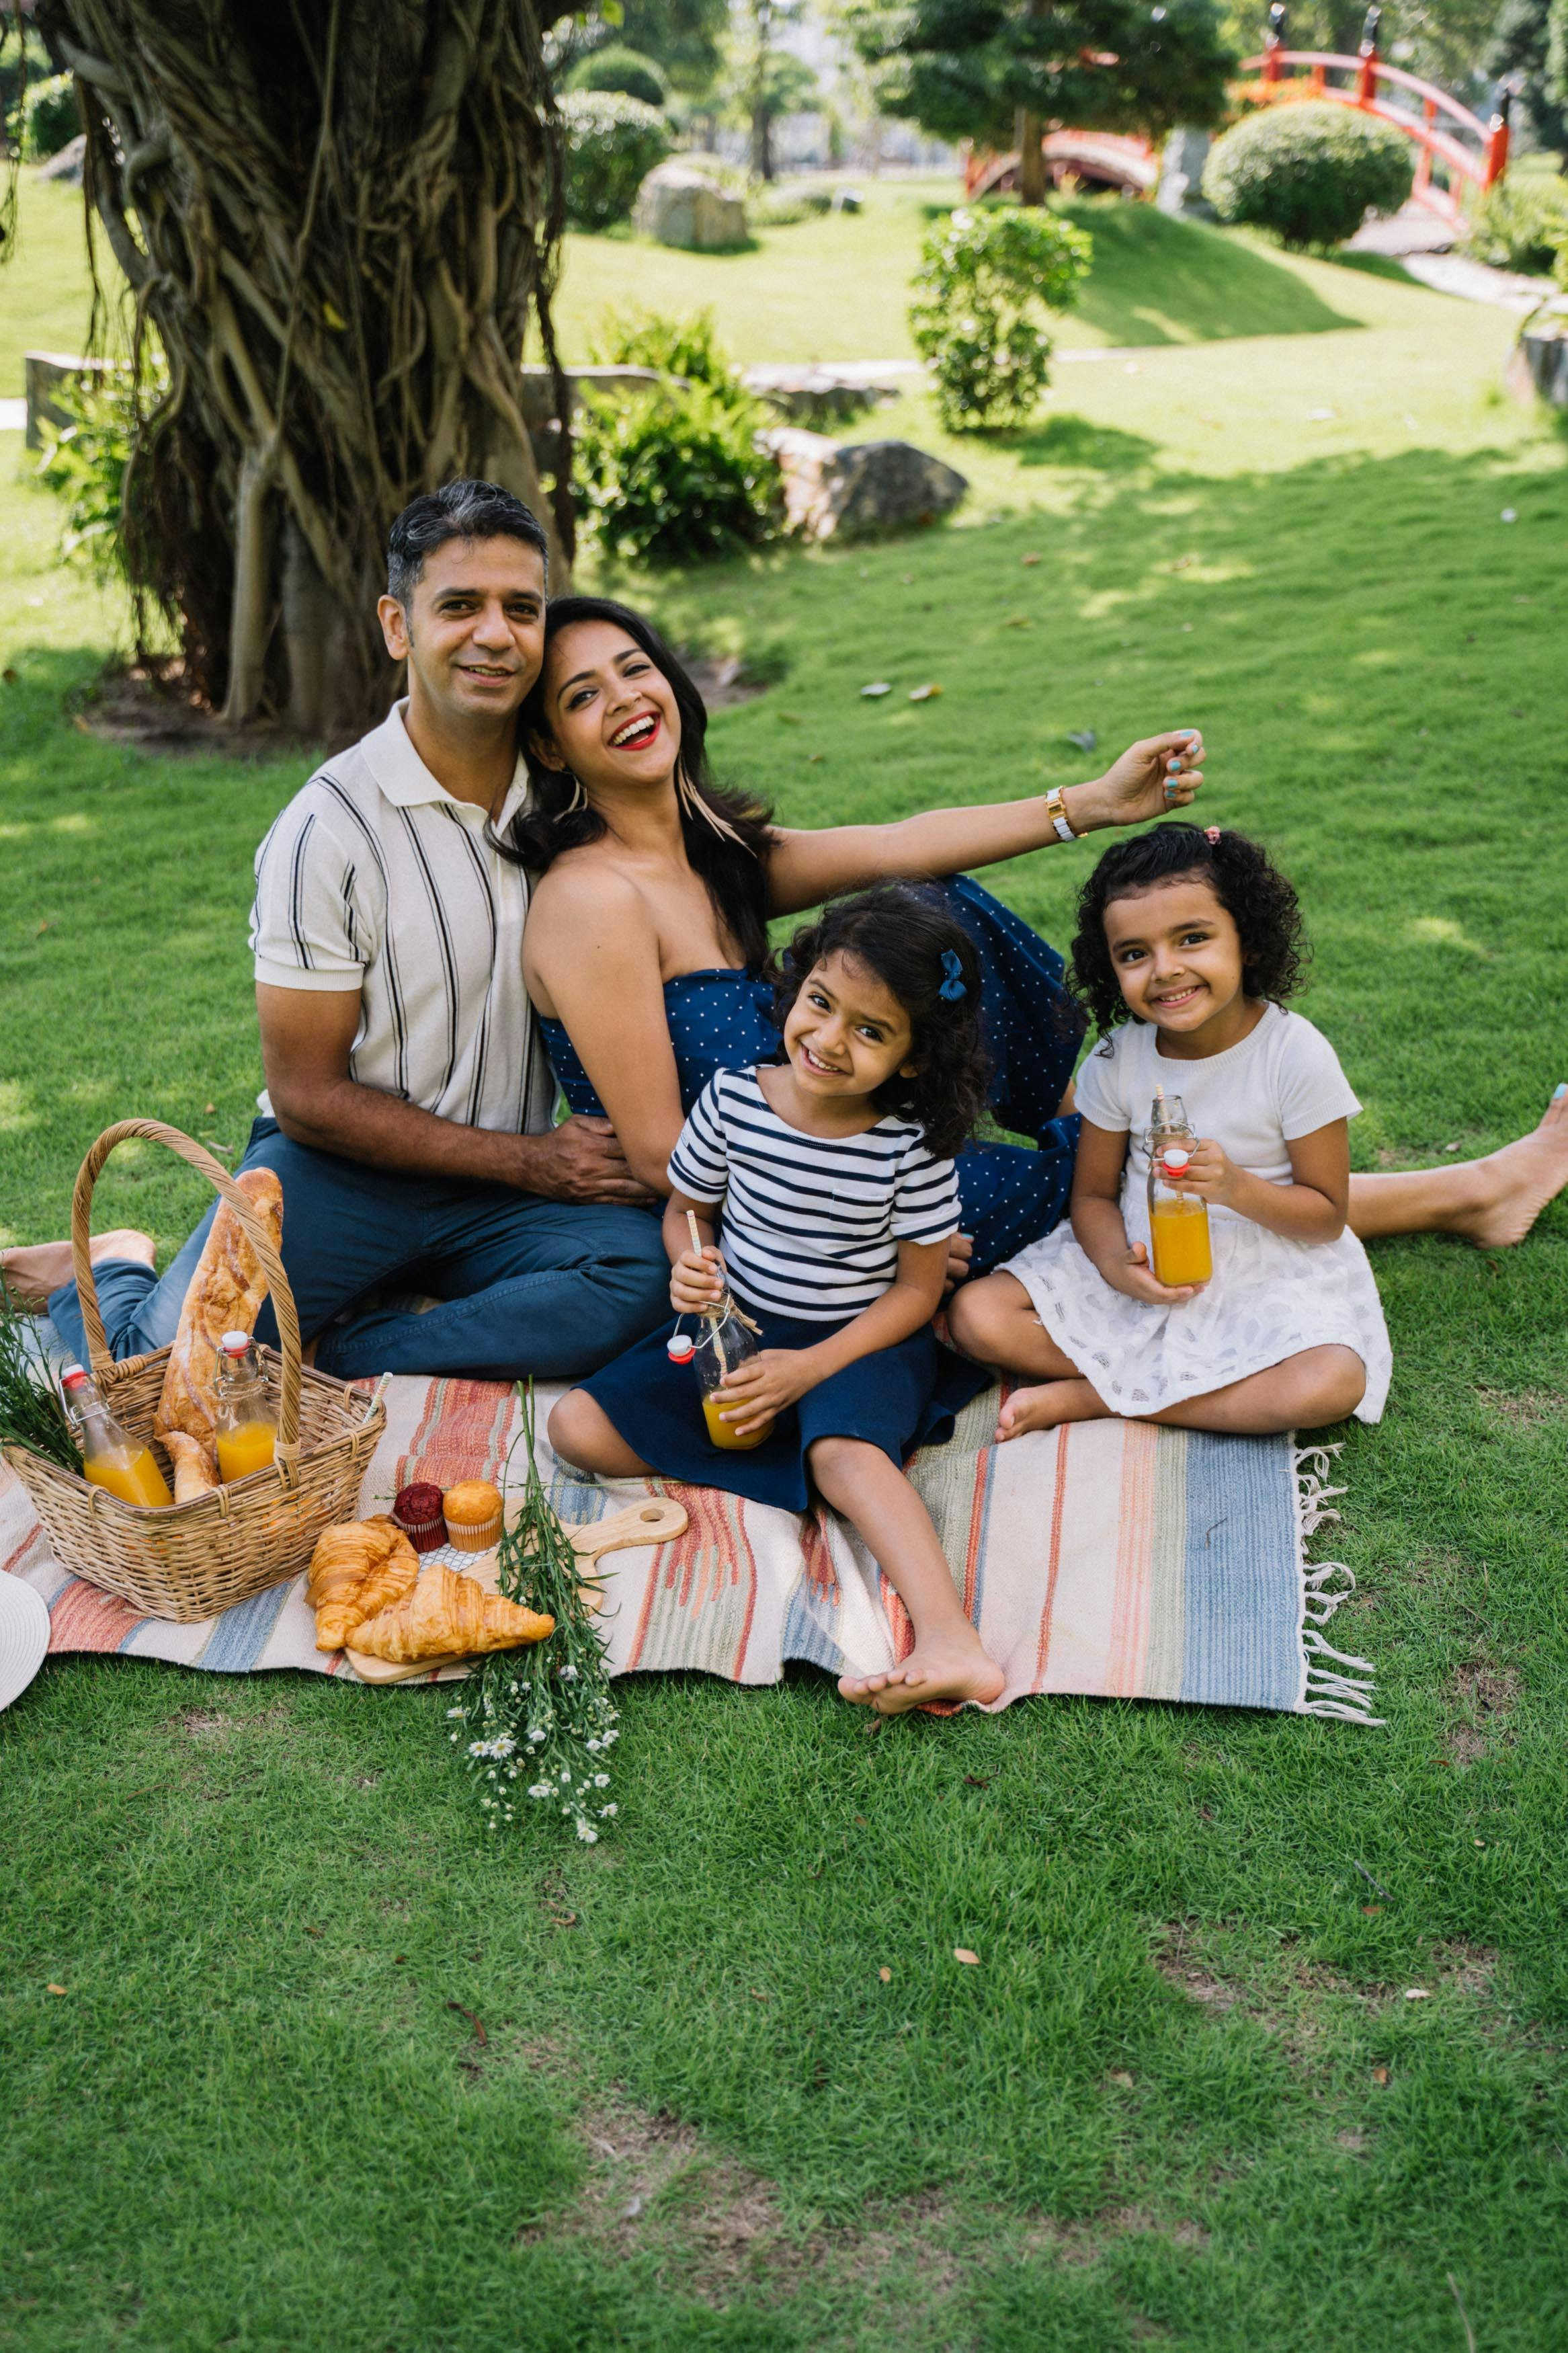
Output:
(1073, 441)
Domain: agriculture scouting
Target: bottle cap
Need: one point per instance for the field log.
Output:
(234, 1344)
(681, 1348)
(1174, 1159)
(71, 1375)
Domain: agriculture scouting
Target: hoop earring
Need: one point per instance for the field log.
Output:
(693, 805)
(578, 801)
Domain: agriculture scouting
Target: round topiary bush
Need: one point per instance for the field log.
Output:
(986, 285)
(50, 117)
(1310, 173)
(618, 67)
(613, 142)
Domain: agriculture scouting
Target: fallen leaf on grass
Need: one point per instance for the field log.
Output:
(1120, 2075)
(477, 2023)
(790, 718)
(53, 1988)
(1182, 563)
(1380, 2074)
(961, 1953)
(207, 1110)
(1026, 560)
(924, 693)
(1019, 621)
(562, 1919)
(41, 930)
(815, 759)
(314, 1932)
(979, 1780)
(1417, 1993)
(1372, 1907)
(760, 1997)
(879, 686)
(886, 1975)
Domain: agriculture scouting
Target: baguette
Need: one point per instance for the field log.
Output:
(224, 1294)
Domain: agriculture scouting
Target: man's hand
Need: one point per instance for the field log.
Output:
(762, 1386)
(1150, 779)
(1133, 1275)
(578, 1161)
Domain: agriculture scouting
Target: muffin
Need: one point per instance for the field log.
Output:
(417, 1512)
(473, 1510)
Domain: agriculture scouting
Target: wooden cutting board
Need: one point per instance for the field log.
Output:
(656, 1521)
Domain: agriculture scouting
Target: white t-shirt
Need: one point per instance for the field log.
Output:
(1281, 1083)
(811, 1224)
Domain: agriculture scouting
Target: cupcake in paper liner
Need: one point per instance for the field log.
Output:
(473, 1514)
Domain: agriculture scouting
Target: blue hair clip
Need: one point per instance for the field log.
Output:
(954, 986)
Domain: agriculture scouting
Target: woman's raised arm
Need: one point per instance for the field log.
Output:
(807, 867)
(591, 959)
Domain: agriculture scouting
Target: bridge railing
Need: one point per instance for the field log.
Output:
(1467, 149)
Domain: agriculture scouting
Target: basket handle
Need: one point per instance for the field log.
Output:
(154, 1131)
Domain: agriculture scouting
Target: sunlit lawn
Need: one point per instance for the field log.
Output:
(1183, 2101)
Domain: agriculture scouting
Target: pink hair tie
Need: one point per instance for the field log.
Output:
(1211, 834)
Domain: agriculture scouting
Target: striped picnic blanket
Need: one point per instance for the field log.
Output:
(1105, 1558)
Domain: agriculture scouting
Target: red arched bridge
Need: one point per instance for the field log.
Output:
(1455, 150)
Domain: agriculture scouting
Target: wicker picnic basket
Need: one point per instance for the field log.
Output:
(190, 1560)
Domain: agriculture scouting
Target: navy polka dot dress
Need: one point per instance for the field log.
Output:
(1010, 1196)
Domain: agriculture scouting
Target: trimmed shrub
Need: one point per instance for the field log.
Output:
(779, 208)
(986, 283)
(50, 118)
(1522, 224)
(618, 68)
(1309, 172)
(613, 142)
(687, 347)
(671, 478)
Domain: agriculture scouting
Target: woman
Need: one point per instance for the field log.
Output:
(648, 935)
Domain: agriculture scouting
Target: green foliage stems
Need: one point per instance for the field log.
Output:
(1522, 224)
(1309, 172)
(544, 1711)
(618, 68)
(676, 477)
(84, 462)
(50, 116)
(966, 68)
(32, 1411)
(612, 143)
(986, 282)
(1521, 44)
(686, 347)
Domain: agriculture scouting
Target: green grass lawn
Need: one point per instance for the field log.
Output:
(1183, 2101)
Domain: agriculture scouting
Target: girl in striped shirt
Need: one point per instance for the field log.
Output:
(826, 1179)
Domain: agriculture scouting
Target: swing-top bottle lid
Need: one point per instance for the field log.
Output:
(681, 1348)
(234, 1344)
(1173, 1159)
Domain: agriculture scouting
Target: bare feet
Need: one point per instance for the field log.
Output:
(32, 1273)
(1513, 1186)
(1044, 1406)
(937, 1668)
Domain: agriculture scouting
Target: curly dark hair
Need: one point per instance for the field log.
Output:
(903, 934)
(1250, 888)
(734, 870)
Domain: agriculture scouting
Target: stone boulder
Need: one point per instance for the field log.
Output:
(816, 396)
(835, 490)
(1539, 362)
(1182, 175)
(679, 204)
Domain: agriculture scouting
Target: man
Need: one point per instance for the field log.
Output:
(408, 1112)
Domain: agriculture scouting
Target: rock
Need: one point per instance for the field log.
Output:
(848, 490)
(43, 376)
(67, 163)
(539, 392)
(849, 200)
(1182, 175)
(679, 203)
(1539, 362)
(816, 396)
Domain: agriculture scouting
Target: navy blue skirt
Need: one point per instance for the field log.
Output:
(897, 1400)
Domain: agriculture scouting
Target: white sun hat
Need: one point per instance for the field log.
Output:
(24, 1636)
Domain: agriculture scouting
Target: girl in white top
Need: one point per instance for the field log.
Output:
(1198, 937)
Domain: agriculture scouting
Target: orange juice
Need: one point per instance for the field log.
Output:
(1179, 1231)
(724, 1433)
(129, 1472)
(249, 1446)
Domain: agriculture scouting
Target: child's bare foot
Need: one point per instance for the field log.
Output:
(938, 1668)
(1044, 1406)
(34, 1271)
(1513, 1186)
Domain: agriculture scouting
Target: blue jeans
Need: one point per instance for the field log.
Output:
(555, 1288)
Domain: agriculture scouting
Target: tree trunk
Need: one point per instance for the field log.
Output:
(336, 222)
(1029, 131)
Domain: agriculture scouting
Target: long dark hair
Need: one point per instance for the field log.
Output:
(1245, 879)
(907, 937)
(735, 869)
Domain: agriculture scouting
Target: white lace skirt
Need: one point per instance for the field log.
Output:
(1269, 1298)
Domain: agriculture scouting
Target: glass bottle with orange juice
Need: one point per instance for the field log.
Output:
(725, 1342)
(244, 1411)
(111, 1458)
(1178, 1222)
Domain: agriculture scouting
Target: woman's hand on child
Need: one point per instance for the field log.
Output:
(1150, 779)
(1133, 1275)
(764, 1386)
(695, 1283)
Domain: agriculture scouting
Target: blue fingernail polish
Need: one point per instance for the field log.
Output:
(1558, 1092)
(1172, 764)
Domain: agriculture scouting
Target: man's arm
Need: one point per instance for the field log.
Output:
(305, 1035)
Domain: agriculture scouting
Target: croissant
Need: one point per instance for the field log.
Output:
(195, 1473)
(224, 1294)
(358, 1568)
(449, 1617)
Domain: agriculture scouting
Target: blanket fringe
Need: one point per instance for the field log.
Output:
(1325, 1585)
